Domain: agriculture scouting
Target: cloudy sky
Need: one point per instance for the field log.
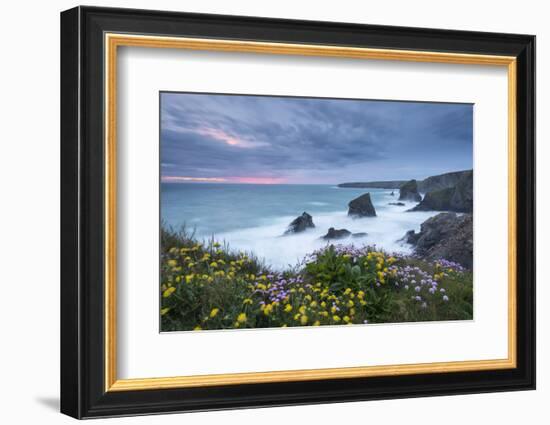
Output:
(261, 139)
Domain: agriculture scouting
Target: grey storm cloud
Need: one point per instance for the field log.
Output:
(311, 140)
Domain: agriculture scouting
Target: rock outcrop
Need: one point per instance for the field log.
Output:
(441, 181)
(359, 235)
(446, 235)
(300, 224)
(397, 204)
(458, 198)
(336, 234)
(409, 192)
(361, 207)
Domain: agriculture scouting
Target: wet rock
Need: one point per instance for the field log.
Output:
(409, 192)
(337, 234)
(362, 207)
(446, 235)
(300, 224)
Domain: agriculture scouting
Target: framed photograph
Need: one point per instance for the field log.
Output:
(261, 212)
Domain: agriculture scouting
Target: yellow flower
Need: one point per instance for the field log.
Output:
(333, 309)
(213, 264)
(268, 308)
(350, 303)
(190, 264)
(336, 318)
(288, 308)
(352, 311)
(216, 245)
(214, 312)
(172, 263)
(172, 250)
(178, 278)
(164, 311)
(308, 297)
(323, 304)
(346, 319)
(360, 295)
(347, 291)
(241, 318)
(313, 304)
(168, 292)
(316, 323)
(297, 316)
(303, 319)
(302, 309)
(189, 278)
(247, 301)
(197, 328)
(284, 326)
(324, 313)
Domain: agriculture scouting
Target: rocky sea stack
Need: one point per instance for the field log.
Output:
(300, 223)
(337, 234)
(361, 207)
(458, 198)
(409, 192)
(446, 235)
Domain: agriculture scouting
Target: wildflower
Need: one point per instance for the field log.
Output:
(313, 304)
(302, 309)
(336, 318)
(417, 288)
(346, 319)
(168, 292)
(247, 301)
(164, 311)
(350, 303)
(216, 245)
(303, 319)
(214, 312)
(316, 323)
(172, 263)
(190, 264)
(241, 318)
(213, 264)
(197, 328)
(445, 298)
(288, 308)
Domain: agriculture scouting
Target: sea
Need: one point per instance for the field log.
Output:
(253, 218)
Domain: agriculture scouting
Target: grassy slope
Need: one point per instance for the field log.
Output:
(209, 286)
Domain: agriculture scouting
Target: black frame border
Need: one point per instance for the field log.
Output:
(82, 205)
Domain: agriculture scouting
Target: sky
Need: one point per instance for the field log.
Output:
(292, 140)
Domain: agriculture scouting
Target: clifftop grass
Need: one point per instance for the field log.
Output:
(206, 285)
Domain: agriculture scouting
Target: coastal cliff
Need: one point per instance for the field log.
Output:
(438, 182)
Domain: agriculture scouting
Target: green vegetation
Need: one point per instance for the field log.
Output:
(206, 285)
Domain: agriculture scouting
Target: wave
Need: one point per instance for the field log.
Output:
(384, 231)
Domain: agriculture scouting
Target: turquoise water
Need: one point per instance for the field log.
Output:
(254, 217)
